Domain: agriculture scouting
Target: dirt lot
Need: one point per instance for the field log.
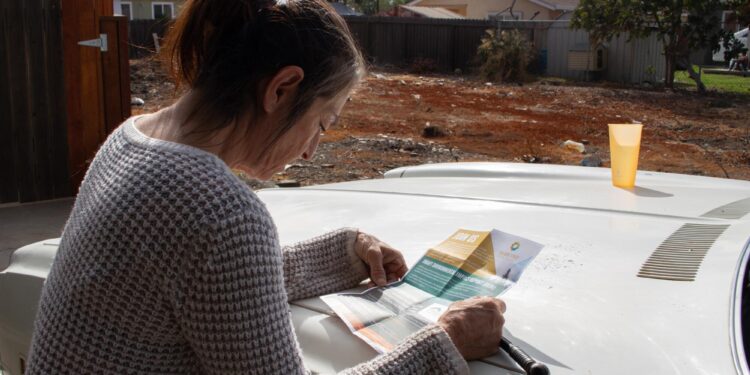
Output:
(383, 126)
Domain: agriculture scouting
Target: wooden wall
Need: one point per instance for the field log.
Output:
(33, 142)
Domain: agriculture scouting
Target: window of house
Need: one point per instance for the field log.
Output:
(162, 10)
(126, 9)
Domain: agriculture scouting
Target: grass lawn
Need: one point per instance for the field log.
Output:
(720, 82)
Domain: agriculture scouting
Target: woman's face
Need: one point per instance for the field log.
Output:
(300, 141)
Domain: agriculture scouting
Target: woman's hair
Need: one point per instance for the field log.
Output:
(224, 50)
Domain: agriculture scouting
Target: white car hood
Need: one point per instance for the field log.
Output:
(580, 307)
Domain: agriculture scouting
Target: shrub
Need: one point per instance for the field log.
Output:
(732, 48)
(504, 56)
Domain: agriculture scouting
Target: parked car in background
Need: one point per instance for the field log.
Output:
(649, 280)
(741, 36)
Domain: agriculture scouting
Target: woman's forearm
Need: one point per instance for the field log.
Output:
(322, 265)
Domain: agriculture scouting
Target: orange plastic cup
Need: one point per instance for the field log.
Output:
(624, 146)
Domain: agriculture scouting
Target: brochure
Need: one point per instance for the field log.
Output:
(467, 264)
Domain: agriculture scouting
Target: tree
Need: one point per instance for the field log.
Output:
(742, 13)
(504, 56)
(682, 26)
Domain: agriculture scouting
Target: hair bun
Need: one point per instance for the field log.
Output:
(225, 51)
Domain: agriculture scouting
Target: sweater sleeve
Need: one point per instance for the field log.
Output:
(322, 265)
(232, 307)
(427, 351)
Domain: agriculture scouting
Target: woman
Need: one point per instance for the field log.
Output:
(170, 264)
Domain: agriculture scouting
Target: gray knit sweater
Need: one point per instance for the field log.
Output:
(170, 264)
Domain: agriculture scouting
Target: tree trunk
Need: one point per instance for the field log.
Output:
(669, 72)
(695, 76)
(670, 56)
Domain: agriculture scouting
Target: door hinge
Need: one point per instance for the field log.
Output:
(100, 43)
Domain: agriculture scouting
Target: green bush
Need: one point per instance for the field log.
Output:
(504, 56)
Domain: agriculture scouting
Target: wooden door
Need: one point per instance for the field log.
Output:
(115, 72)
(97, 83)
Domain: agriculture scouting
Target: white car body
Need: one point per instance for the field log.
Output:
(741, 36)
(581, 306)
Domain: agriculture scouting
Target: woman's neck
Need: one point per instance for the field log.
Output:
(172, 124)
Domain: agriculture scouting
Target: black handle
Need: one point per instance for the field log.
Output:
(530, 365)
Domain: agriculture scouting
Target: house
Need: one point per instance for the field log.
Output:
(343, 9)
(501, 9)
(147, 9)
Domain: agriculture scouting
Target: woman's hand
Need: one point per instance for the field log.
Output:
(385, 263)
(475, 326)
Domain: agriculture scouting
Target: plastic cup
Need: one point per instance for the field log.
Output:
(624, 146)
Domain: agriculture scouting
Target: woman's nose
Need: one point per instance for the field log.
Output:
(310, 152)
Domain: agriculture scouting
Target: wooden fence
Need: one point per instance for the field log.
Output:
(33, 140)
(140, 36)
(451, 44)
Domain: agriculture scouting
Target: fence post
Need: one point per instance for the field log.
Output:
(406, 41)
(370, 47)
(452, 45)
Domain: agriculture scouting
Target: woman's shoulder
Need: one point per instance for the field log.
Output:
(231, 197)
(191, 185)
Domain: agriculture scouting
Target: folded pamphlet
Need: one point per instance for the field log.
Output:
(467, 264)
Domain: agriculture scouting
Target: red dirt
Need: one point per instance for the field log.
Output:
(381, 127)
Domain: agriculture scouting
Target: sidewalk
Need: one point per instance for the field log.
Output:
(22, 224)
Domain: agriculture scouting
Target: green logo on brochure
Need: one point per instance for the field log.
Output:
(515, 246)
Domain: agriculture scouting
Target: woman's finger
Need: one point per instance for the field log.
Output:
(389, 250)
(393, 277)
(402, 270)
(397, 267)
(392, 256)
(375, 261)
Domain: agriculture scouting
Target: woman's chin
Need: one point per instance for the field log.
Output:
(268, 174)
(265, 174)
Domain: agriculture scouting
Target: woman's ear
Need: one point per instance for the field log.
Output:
(282, 87)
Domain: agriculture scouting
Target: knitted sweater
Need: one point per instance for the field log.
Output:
(170, 264)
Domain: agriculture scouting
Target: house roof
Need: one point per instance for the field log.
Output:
(549, 4)
(557, 4)
(432, 12)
